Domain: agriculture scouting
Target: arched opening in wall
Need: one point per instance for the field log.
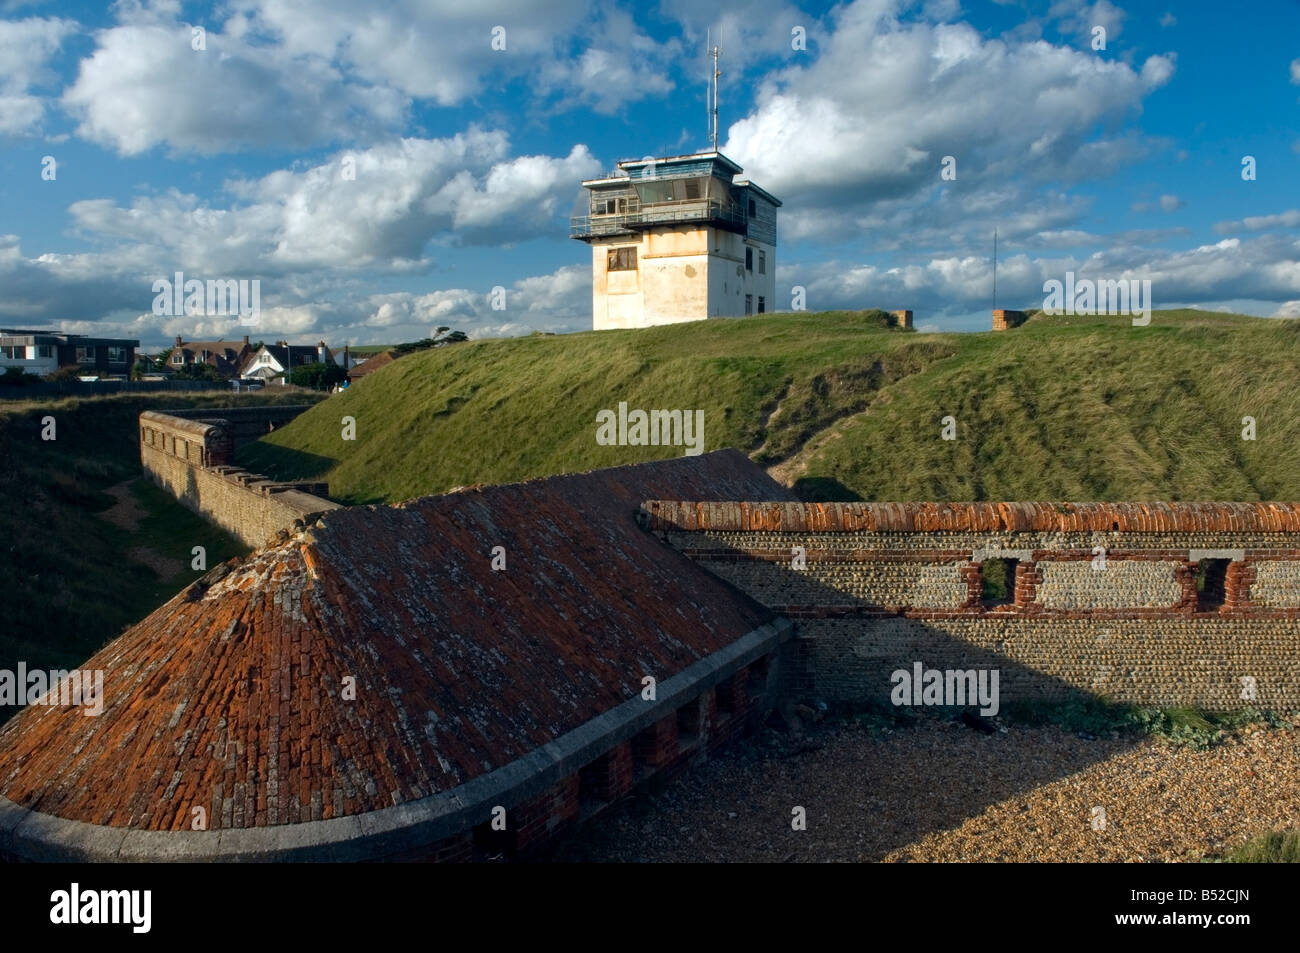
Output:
(999, 582)
(1211, 584)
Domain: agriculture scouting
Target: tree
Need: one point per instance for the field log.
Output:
(317, 376)
(441, 338)
(198, 371)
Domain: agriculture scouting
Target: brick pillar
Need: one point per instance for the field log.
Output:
(611, 775)
(708, 703)
(537, 818)
(657, 745)
(973, 574)
(1026, 582)
(1241, 576)
(1186, 574)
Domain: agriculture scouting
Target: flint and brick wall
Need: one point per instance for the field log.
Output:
(193, 459)
(1104, 601)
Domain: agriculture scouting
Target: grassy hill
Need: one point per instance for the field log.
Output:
(840, 406)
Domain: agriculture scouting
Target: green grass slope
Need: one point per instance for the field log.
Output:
(840, 406)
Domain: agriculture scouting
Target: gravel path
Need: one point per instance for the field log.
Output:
(942, 792)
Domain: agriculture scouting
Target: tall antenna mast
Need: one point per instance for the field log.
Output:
(995, 269)
(715, 52)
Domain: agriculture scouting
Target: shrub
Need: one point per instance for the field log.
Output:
(16, 377)
(317, 376)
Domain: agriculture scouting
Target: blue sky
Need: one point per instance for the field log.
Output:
(227, 161)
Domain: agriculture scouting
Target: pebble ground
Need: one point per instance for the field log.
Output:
(939, 791)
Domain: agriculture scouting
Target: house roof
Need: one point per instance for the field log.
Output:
(372, 364)
(227, 351)
(294, 355)
(974, 517)
(229, 696)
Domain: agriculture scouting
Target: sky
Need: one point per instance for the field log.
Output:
(380, 166)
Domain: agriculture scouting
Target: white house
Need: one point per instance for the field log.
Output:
(276, 361)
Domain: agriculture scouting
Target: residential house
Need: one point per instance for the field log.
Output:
(372, 364)
(228, 357)
(277, 361)
(44, 352)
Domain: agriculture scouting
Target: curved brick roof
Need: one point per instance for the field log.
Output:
(973, 517)
(229, 696)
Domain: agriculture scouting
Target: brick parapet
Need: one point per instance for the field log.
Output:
(194, 461)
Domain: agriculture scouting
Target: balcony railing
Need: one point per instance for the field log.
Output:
(667, 213)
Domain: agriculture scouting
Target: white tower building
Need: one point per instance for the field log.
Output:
(678, 239)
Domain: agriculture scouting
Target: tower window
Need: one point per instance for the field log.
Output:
(622, 259)
(753, 208)
(762, 262)
(749, 259)
(762, 304)
(749, 304)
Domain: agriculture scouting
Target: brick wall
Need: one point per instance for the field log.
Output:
(193, 459)
(1004, 319)
(1115, 612)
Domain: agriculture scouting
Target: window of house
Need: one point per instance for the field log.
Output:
(999, 582)
(117, 355)
(85, 355)
(622, 259)
(749, 304)
(178, 357)
(762, 262)
(762, 305)
(749, 259)
(45, 350)
(16, 353)
(203, 355)
(1211, 584)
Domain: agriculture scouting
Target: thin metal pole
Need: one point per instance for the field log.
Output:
(995, 269)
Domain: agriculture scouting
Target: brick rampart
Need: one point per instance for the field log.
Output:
(194, 461)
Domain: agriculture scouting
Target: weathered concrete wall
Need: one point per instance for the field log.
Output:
(1114, 612)
(193, 460)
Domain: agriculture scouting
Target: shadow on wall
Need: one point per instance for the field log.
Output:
(189, 496)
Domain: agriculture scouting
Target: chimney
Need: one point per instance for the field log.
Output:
(320, 352)
(347, 358)
(178, 340)
(245, 340)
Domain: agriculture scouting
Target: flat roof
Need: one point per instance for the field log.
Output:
(746, 184)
